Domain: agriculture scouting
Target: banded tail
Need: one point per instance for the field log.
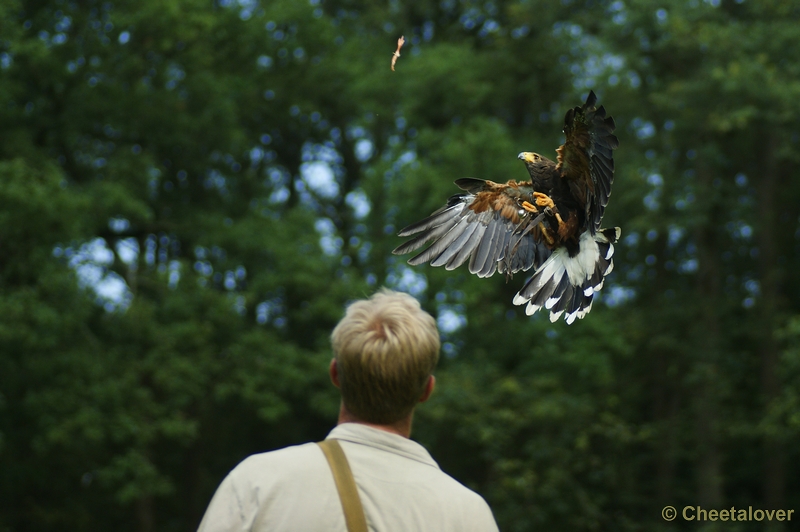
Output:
(566, 285)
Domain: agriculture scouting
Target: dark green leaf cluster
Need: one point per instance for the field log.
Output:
(191, 191)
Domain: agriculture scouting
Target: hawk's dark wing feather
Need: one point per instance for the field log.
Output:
(586, 158)
(485, 225)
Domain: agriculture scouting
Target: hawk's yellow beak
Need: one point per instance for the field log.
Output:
(529, 157)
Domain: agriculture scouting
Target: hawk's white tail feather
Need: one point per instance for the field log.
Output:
(566, 285)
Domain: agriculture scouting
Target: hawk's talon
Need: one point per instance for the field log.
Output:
(550, 212)
(529, 207)
(543, 200)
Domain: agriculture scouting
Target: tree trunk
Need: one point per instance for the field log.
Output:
(767, 186)
(666, 392)
(666, 410)
(145, 514)
(707, 333)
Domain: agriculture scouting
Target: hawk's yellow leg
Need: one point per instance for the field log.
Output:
(546, 234)
(543, 200)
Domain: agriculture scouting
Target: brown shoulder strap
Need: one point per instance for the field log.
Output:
(345, 485)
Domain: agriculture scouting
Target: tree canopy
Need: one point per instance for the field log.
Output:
(191, 192)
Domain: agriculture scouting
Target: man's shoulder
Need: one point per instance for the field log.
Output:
(292, 451)
(295, 458)
(470, 509)
(273, 491)
(400, 474)
(455, 490)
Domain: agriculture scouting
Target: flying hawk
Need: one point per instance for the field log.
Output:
(550, 224)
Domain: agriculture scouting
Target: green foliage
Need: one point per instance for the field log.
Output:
(191, 191)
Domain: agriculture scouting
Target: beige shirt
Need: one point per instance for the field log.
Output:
(292, 490)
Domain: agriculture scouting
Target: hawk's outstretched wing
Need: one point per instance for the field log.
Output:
(487, 225)
(586, 158)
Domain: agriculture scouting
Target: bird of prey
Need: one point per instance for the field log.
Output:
(550, 224)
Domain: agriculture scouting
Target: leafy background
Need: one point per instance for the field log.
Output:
(191, 191)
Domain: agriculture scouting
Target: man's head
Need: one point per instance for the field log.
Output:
(386, 348)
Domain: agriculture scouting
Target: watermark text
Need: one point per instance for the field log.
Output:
(698, 513)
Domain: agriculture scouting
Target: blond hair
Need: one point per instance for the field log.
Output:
(386, 347)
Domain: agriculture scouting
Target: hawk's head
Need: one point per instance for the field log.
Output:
(534, 162)
(530, 158)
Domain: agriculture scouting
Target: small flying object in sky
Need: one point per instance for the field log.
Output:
(396, 53)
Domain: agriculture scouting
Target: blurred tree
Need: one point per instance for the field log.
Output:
(718, 129)
(193, 190)
(143, 164)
